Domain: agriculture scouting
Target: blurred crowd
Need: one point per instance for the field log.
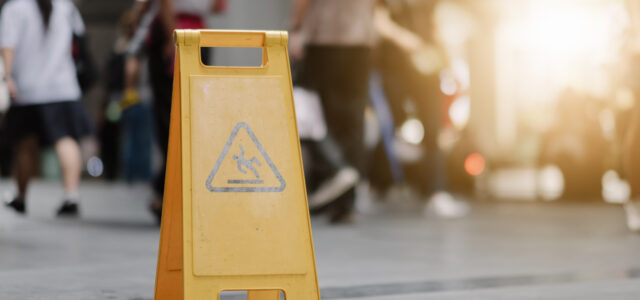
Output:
(381, 89)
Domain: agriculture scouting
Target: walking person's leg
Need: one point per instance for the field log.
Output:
(342, 177)
(25, 162)
(69, 156)
(431, 178)
(67, 123)
(63, 124)
(344, 96)
(23, 139)
(161, 80)
(345, 119)
(340, 76)
(68, 153)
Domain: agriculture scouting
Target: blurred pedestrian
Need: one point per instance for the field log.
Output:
(127, 123)
(36, 38)
(164, 17)
(410, 60)
(322, 158)
(334, 39)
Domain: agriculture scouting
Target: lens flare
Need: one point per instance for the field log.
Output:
(459, 112)
(474, 164)
(95, 167)
(412, 131)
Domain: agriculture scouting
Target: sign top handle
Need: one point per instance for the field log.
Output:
(230, 38)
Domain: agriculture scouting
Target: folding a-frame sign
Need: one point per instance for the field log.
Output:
(235, 210)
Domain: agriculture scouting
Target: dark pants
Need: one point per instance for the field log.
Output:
(136, 150)
(161, 79)
(401, 82)
(339, 74)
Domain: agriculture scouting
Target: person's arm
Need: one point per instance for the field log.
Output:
(7, 59)
(168, 18)
(297, 37)
(131, 77)
(218, 6)
(394, 33)
(426, 57)
(139, 8)
(298, 13)
(10, 32)
(131, 72)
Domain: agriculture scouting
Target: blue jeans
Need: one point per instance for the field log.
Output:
(137, 140)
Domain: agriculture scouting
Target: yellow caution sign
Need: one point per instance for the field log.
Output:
(235, 210)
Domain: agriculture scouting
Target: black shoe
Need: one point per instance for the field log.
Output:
(341, 217)
(68, 209)
(18, 205)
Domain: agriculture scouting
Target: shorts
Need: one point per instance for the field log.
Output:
(50, 122)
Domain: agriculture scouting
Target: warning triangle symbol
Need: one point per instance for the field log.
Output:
(244, 166)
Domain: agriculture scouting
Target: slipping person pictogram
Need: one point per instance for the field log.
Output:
(264, 181)
(243, 162)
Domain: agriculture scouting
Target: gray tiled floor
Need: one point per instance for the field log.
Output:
(502, 251)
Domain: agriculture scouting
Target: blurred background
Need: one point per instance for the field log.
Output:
(527, 127)
(537, 95)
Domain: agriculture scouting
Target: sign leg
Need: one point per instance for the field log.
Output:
(169, 280)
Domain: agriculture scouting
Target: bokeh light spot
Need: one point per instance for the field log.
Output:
(474, 164)
(95, 167)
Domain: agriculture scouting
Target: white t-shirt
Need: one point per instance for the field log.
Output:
(43, 67)
(339, 22)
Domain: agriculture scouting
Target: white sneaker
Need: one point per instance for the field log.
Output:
(367, 200)
(633, 216)
(333, 187)
(446, 206)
